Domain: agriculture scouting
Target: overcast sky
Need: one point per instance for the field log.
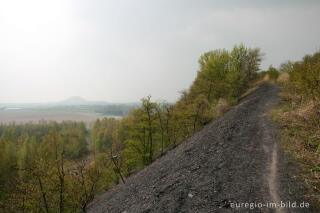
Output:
(121, 51)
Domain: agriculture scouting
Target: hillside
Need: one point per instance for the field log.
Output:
(76, 101)
(233, 159)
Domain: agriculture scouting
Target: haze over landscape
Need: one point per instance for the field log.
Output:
(121, 51)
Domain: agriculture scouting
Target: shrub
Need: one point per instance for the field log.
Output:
(273, 73)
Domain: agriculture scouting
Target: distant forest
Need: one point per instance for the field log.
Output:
(110, 109)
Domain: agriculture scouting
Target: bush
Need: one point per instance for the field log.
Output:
(273, 73)
(305, 77)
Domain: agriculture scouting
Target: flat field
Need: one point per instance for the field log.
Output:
(21, 116)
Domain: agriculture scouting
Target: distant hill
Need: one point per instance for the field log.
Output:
(76, 101)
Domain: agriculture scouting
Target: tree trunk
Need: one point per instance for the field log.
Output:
(43, 195)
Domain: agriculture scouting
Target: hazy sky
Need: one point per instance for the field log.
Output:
(121, 51)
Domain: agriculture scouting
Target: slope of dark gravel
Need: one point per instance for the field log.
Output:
(231, 160)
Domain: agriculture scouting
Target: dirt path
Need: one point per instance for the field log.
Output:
(233, 161)
(272, 179)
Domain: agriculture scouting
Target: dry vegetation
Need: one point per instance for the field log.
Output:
(283, 77)
(300, 137)
(299, 118)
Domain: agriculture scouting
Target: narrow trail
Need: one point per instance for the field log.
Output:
(272, 179)
(233, 161)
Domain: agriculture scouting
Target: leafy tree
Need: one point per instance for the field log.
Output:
(273, 73)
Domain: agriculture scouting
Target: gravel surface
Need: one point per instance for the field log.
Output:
(232, 160)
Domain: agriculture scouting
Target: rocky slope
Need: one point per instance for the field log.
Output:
(235, 159)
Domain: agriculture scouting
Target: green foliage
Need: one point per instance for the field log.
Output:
(142, 128)
(116, 110)
(305, 77)
(226, 74)
(273, 73)
(104, 133)
(35, 162)
(286, 67)
(210, 80)
(262, 74)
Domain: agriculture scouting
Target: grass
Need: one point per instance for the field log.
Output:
(250, 90)
(255, 85)
(300, 135)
